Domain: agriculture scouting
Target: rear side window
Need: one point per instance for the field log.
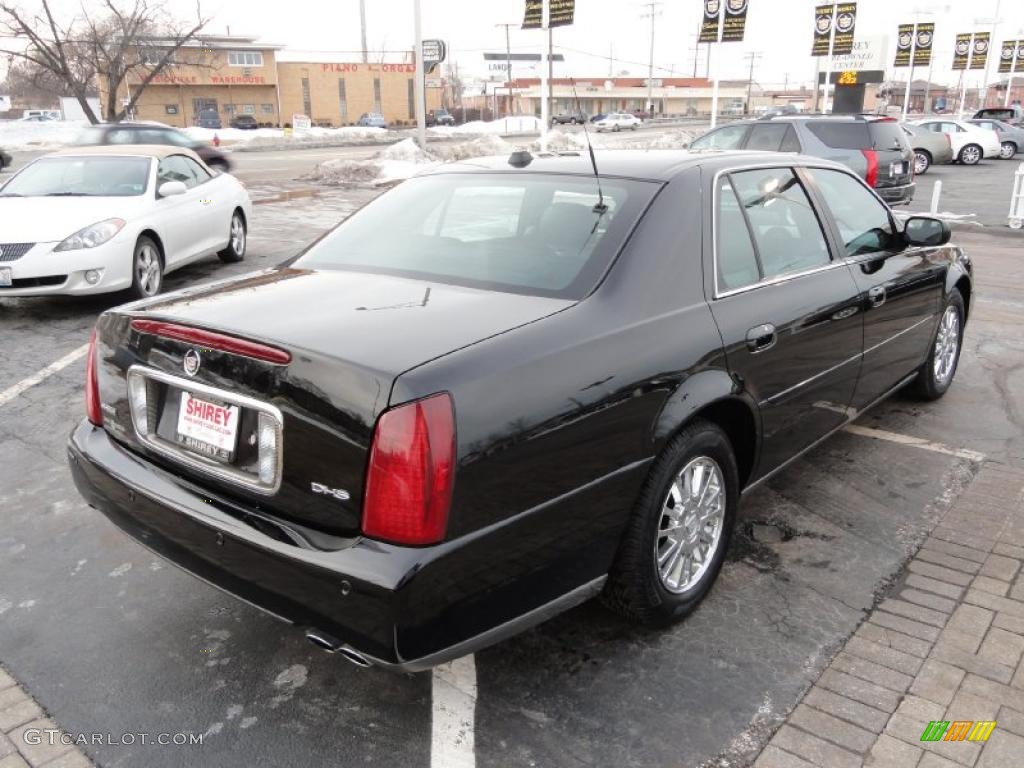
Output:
(737, 265)
(863, 221)
(841, 135)
(786, 229)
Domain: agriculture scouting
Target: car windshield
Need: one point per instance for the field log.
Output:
(536, 234)
(81, 177)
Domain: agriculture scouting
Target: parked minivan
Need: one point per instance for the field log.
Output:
(209, 118)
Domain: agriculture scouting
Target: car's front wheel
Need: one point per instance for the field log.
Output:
(935, 376)
(1007, 150)
(970, 155)
(679, 531)
(147, 269)
(922, 161)
(236, 240)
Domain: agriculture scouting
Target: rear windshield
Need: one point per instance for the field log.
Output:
(1001, 114)
(887, 135)
(527, 233)
(842, 135)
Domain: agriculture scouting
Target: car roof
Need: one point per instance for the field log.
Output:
(128, 150)
(651, 165)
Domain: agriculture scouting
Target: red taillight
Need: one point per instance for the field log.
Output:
(92, 390)
(213, 340)
(872, 158)
(409, 479)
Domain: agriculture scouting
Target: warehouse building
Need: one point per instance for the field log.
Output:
(238, 75)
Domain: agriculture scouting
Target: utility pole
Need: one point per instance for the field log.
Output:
(753, 56)
(362, 26)
(421, 78)
(551, 73)
(993, 45)
(508, 63)
(652, 7)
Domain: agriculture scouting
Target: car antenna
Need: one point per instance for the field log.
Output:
(600, 207)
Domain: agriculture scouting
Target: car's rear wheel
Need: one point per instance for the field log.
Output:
(679, 531)
(615, 128)
(1007, 150)
(236, 241)
(147, 269)
(922, 161)
(936, 374)
(970, 155)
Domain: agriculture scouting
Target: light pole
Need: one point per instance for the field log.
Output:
(421, 101)
(992, 41)
(753, 56)
(508, 63)
(652, 12)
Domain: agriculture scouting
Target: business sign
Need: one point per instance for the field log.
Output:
(525, 64)
(534, 16)
(434, 51)
(843, 16)
(869, 53)
(1011, 59)
(979, 53)
(301, 122)
(914, 45)
(561, 12)
(962, 51)
(733, 26)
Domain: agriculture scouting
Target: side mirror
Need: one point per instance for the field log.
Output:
(171, 188)
(926, 231)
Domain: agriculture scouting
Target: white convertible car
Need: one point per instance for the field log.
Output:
(115, 218)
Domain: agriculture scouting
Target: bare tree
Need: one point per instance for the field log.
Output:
(100, 46)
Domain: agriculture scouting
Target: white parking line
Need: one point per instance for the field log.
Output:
(454, 712)
(914, 442)
(40, 376)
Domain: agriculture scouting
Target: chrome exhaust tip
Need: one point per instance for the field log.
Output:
(325, 642)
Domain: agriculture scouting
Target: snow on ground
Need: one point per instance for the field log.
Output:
(507, 126)
(53, 134)
(275, 138)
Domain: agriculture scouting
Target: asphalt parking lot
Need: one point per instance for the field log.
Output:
(112, 640)
(980, 194)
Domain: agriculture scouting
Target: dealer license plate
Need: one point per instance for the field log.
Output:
(6, 278)
(896, 169)
(208, 428)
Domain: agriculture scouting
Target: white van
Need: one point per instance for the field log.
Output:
(36, 115)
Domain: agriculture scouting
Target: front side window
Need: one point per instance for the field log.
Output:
(178, 168)
(81, 177)
(729, 137)
(787, 233)
(536, 234)
(863, 221)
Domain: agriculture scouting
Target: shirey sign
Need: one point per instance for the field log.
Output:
(864, 64)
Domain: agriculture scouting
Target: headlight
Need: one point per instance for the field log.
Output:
(91, 236)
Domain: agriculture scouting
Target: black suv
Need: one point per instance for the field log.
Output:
(152, 133)
(871, 145)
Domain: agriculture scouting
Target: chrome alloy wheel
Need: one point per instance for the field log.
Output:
(1007, 150)
(947, 342)
(691, 525)
(237, 235)
(970, 155)
(147, 270)
(921, 163)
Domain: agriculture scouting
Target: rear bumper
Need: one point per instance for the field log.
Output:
(901, 195)
(401, 608)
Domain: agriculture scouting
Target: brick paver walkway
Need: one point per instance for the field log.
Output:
(22, 724)
(946, 647)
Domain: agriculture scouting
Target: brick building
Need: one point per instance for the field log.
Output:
(237, 75)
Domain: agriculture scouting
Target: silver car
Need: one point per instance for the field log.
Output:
(1011, 138)
(929, 148)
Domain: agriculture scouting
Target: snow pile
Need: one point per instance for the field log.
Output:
(28, 136)
(482, 146)
(395, 163)
(506, 126)
(275, 138)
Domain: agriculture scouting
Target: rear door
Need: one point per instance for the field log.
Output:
(786, 309)
(900, 289)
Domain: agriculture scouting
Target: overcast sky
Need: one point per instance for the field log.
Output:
(780, 29)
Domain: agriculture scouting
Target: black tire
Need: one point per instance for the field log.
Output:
(635, 587)
(922, 161)
(615, 129)
(971, 154)
(147, 269)
(1007, 150)
(932, 382)
(237, 240)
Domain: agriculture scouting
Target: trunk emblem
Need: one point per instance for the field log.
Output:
(338, 493)
(191, 362)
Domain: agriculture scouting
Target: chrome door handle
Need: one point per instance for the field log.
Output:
(762, 337)
(876, 296)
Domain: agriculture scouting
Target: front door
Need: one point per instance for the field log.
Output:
(900, 288)
(787, 310)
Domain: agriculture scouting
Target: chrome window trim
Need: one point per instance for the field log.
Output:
(195, 461)
(835, 261)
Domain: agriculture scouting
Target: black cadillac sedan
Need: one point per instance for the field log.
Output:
(507, 386)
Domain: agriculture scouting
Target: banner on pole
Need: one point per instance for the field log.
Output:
(1011, 58)
(846, 20)
(979, 56)
(904, 44)
(534, 17)
(709, 25)
(925, 39)
(844, 17)
(822, 29)
(561, 13)
(962, 51)
(735, 21)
